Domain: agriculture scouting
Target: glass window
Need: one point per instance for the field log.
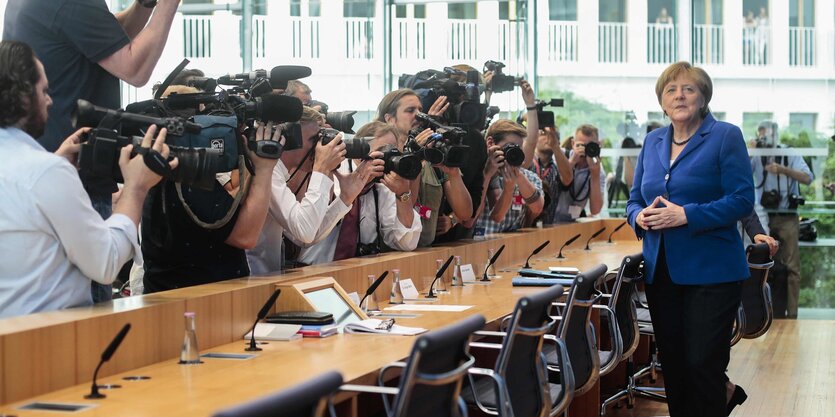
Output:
(400, 11)
(462, 11)
(802, 13)
(750, 122)
(612, 11)
(707, 12)
(358, 8)
(661, 12)
(295, 8)
(420, 11)
(511, 10)
(562, 10)
(803, 122)
(315, 8)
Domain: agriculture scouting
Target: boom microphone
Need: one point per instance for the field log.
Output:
(86, 111)
(239, 79)
(105, 356)
(283, 73)
(261, 314)
(535, 251)
(439, 274)
(492, 260)
(374, 286)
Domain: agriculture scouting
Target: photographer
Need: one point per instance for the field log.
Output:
(182, 242)
(776, 182)
(382, 215)
(86, 50)
(551, 166)
(52, 240)
(588, 179)
(513, 193)
(307, 221)
(438, 184)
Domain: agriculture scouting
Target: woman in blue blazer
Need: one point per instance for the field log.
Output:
(693, 183)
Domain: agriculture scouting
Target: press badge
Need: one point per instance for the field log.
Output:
(518, 201)
(423, 211)
(574, 211)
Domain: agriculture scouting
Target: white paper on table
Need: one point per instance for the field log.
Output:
(467, 274)
(407, 287)
(427, 307)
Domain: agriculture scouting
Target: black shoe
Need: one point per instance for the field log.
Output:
(738, 397)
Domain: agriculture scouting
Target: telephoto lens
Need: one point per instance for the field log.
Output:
(593, 149)
(513, 154)
(407, 166)
(355, 148)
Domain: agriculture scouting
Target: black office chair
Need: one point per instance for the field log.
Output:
(308, 399)
(755, 312)
(576, 330)
(622, 301)
(521, 361)
(430, 384)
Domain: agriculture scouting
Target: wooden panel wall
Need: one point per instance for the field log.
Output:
(48, 351)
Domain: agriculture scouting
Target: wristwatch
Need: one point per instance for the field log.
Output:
(405, 196)
(147, 3)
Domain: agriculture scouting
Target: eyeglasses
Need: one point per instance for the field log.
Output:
(386, 325)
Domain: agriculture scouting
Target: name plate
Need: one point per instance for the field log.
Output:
(467, 273)
(408, 289)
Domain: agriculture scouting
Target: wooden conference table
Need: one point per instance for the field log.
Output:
(50, 357)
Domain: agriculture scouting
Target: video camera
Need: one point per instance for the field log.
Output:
(465, 108)
(546, 118)
(501, 82)
(446, 146)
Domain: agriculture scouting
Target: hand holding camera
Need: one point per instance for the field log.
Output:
(72, 145)
(439, 107)
(329, 155)
(527, 93)
(137, 174)
(495, 160)
(775, 168)
(264, 159)
(397, 184)
(351, 185)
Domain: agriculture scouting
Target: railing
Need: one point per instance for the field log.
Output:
(305, 37)
(562, 41)
(611, 46)
(259, 36)
(359, 38)
(462, 40)
(662, 43)
(802, 47)
(708, 44)
(756, 42)
(197, 37)
(409, 39)
(507, 40)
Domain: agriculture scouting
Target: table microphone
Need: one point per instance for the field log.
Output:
(440, 273)
(261, 314)
(484, 277)
(374, 286)
(535, 251)
(105, 356)
(596, 234)
(568, 242)
(614, 231)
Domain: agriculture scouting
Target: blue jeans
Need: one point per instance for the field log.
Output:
(104, 206)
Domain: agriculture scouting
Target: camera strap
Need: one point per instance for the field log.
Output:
(242, 193)
(585, 186)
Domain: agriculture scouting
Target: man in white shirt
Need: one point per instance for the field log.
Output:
(53, 242)
(308, 221)
(384, 216)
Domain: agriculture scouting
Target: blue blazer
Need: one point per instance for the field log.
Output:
(712, 180)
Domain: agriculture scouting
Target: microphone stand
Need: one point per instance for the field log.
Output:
(484, 277)
(374, 286)
(439, 274)
(615, 231)
(596, 234)
(567, 242)
(535, 251)
(261, 314)
(105, 356)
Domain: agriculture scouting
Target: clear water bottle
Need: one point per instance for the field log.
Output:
(457, 280)
(396, 293)
(440, 286)
(190, 354)
(371, 301)
(491, 271)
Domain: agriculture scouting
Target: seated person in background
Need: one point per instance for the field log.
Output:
(513, 193)
(300, 91)
(53, 242)
(307, 221)
(552, 167)
(435, 185)
(588, 180)
(192, 236)
(382, 216)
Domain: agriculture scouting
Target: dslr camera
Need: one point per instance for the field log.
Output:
(465, 109)
(406, 165)
(446, 149)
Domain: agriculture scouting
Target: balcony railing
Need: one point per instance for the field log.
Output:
(611, 46)
(802, 47)
(409, 39)
(359, 38)
(756, 42)
(562, 41)
(197, 36)
(305, 37)
(662, 43)
(462, 40)
(708, 44)
(508, 40)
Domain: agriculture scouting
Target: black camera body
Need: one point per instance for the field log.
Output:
(795, 201)
(593, 150)
(770, 199)
(763, 143)
(355, 148)
(501, 82)
(513, 154)
(465, 108)
(446, 149)
(406, 165)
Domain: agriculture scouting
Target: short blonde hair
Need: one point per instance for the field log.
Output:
(504, 127)
(309, 115)
(697, 74)
(376, 129)
(588, 130)
(179, 89)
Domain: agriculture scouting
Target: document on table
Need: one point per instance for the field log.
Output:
(427, 307)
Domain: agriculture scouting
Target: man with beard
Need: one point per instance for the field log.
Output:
(53, 242)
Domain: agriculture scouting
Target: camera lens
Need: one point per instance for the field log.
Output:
(593, 149)
(513, 154)
(197, 166)
(356, 148)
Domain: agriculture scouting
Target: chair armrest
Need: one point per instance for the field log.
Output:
(490, 333)
(484, 345)
(503, 397)
(566, 376)
(614, 335)
(369, 389)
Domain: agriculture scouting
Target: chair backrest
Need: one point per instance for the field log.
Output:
(622, 302)
(756, 294)
(520, 361)
(308, 399)
(431, 382)
(576, 330)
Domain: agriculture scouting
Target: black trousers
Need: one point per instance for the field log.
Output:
(692, 326)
